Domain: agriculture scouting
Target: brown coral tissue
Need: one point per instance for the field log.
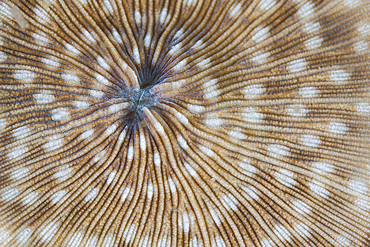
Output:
(200, 123)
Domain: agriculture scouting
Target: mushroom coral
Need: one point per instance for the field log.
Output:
(184, 123)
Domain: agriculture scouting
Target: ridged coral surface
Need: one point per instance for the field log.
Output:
(184, 123)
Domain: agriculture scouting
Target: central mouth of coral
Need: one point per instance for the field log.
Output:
(142, 97)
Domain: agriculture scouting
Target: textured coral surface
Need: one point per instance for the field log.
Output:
(184, 123)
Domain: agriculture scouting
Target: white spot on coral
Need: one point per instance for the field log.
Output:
(10, 194)
(251, 192)
(357, 186)
(204, 63)
(319, 189)
(87, 134)
(24, 75)
(24, 236)
(58, 196)
(251, 116)
(237, 134)
(254, 90)
(108, 6)
(220, 242)
(109, 241)
(116, 108)
(314, 42)
(190, 2)
(322, 167)
(130, 153)
(339, 76)
(178, 34)
(110, 130)
(99, 156)
(297, 110)
(76, 239)
(207, 151)
(267, 4)
(337, 128)
(72, 49)
(186, 222)
(142, 142)
(41, 15)
(195, 108)
(236, 10)
(103, 63)
(129, 234)
(301, 207)
(261, 35)
(92, 242)
(41, 39)
(2, 55)
(174, 49)
(51, 62)
(44, 97)
(197, 44)
(172, 185)
(308, 92)
(60, 114)
(117, 36)
(277, 150)
(70, 77)
(81, 104)
(230, 202)
(281, 231)
(183, 119)
(30, 198)
(182, 142)
(286, 177)
(125, 194)
(101, 79)
(63, 174)
(266, 242)
(136, 54)
(306, 10)
(312, 27)
(261, 58)
(53, 144)
(157, 159)
(18, 152)
(297, 65)
(363, 107)
(92, 194)
(111, 177)
(364, 28)
(20, 173)
(180, 65)
(191, 170)
(88, 35)
(2, 124)
(215, 216)
(310, 140)
(147, 40)
(214, 121)
(302, 229)
(49, 231)
(96, 94)
(150, 191)
(137, 17)
(21, 132)
(247, 168)
(360, 46)
(163, 15)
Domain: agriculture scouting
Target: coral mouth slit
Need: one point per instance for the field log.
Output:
(184, 123)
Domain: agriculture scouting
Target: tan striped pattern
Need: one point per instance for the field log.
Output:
(184, 123)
